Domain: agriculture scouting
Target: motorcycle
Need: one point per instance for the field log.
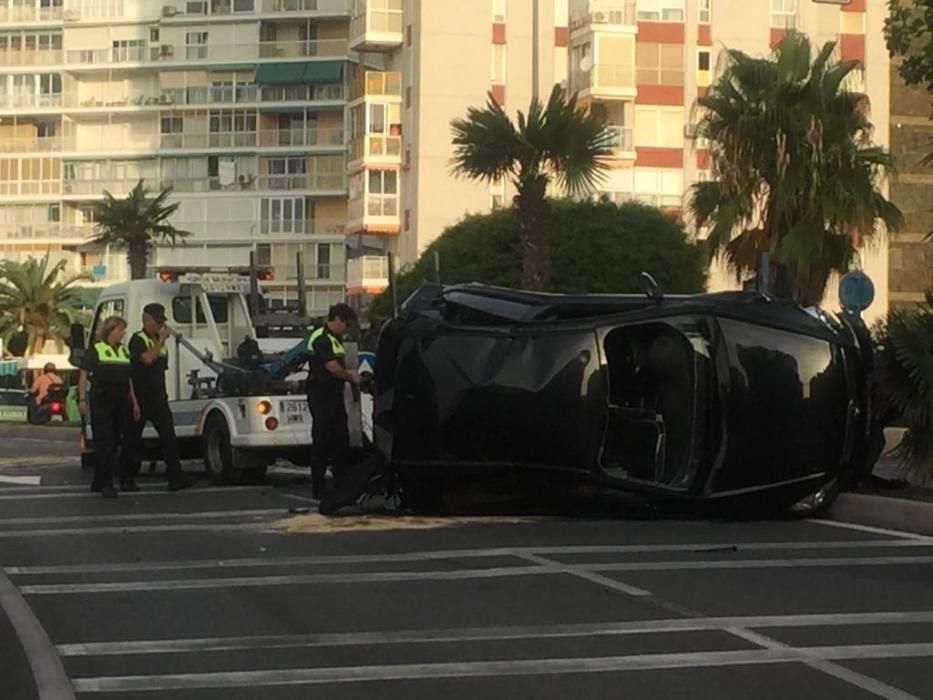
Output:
(51, 406)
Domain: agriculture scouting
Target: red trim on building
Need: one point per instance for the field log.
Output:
(661, 32)
(498, 94)
(776, 36)
(704, 35)
(702, 90)
(703, 159)
(561, 37)
(659, 157)
(660, 95)
(498, 33)
(852, 47)
(854, 6)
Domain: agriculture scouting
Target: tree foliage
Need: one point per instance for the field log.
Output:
(554, 141)
(795, 171)
(908, 31)
(39, 301)
(595, 247)
(904, 374)
(135, 223)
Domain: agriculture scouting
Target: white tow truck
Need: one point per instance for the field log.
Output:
(238, 416)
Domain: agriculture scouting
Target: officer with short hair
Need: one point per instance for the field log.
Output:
(149, 362)
(330, 436)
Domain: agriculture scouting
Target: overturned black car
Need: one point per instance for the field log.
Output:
(731, 397)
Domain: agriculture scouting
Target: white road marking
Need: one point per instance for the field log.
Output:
(131, 529)
(84, 492)
(590, 576)
(873, 530)
(432, 555)
(355, 674)
(47, 671)
(587, 571)
(472, 634)
(110, 517)
(21, 480)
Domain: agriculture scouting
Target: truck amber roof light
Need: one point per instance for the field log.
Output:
(168, 276)
(265, 276)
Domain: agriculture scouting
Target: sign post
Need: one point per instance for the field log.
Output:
(856, 292)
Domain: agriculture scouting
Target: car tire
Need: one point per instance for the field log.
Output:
(218, 454)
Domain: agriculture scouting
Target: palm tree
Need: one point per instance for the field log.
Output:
(39, 301)
(795, 171)
(904, 379)
(557, 141)
(134, 223)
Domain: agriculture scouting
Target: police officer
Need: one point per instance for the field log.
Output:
(112, 400)
(149, 362)
(330, 437)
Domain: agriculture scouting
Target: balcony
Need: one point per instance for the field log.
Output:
(31, 101)
(622, 139)
(301, 49)
(210, 53)
(30, 144)
(325, 7)
(605, 81)
(18, 14)
(367, 274)
(375, 213)
(210, 95)
(376, 149)
(601, 15)
(302, 93)
(30, 188)
(294, 138)
(376, 25)
(318, 182)
(45, 230)
(376, 84)
(31, 57)
(263, 138)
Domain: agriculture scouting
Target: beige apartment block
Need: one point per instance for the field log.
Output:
(238, 105)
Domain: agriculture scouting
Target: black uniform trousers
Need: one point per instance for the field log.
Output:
(330, 436)
(111, 418)
(157, 412)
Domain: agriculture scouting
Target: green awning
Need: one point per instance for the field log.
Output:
(299, 73)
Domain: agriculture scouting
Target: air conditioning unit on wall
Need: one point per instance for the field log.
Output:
(169, 10)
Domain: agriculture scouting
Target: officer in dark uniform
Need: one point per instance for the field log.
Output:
(112, 401)
(149, 362)
(330, 437)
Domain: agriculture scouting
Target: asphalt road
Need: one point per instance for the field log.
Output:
(202, 594)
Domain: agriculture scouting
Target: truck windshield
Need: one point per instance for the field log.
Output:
(181, 309)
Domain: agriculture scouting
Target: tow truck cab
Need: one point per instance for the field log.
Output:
(210, 313)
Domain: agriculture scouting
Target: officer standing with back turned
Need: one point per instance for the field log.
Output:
(330, 436)
(148, 363)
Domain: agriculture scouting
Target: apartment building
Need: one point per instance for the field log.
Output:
(237, 104)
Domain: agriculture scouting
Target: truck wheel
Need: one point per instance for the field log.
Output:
(218, 455)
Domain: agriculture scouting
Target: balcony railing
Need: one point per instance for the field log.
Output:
(96, 186)
(377, 84)
(376, 23)
(209, 95)
(31, 100)
(605, 76)
(287, 6)
(374, 205)
(301, 93)
(368, 271)
(30, 144)
(597, 13)
(263, 138)
(45, 230)
(107, 141)
(31, 57)
(138, 99)
(168, 53)
(622, 138)
(14, 188)
(24, 15)
(376, 146)
(335, 182)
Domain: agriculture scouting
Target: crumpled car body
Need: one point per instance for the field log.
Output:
(716, 396)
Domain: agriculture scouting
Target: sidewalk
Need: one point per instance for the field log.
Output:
(56, 432)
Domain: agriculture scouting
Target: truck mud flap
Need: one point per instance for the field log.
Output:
(355, 483)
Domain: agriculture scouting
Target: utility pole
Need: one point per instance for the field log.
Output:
(534, 49)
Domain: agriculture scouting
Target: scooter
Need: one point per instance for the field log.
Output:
(51, 406)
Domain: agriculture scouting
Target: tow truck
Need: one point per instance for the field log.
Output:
(234, 382)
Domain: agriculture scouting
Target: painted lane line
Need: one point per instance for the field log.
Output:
(873, 530)
(47, 670)
(439, 555)
(590, 576)
(558, 666)
(588, 571)
(21, 480)
(84, 492)
(293, 580)
(472, 634)
(128, 529)
(111, 517)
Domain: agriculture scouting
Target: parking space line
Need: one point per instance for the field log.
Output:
(84, 492)
(552, 666)
(591, 576)
(874, 530)
(473, 634)
(117, 529)
(110, 517)
(420, 556)
(21, 480)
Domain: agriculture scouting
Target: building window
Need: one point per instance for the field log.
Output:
(153, 35)
(282, 215)
(497, 194)
(172, 125)
(55, 213)
(323, 261)
(498, 64)
(705, 11)
(288, 173)
(659, 64)
(659, 187)
(195, 45)
(784, 14)
(659, 127)
(498, 11)
(703, 67)
(382, 193)
(660, 10)
(129, 50)
(264, 254)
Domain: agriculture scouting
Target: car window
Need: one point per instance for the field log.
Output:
(106, 309)
(181, 309)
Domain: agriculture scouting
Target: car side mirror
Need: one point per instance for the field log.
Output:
(76, 336)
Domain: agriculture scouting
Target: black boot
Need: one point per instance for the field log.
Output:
(109, 491)
(181, 482)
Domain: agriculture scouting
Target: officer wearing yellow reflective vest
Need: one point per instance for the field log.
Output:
(112, 405)
(330, 436)
(149, 362)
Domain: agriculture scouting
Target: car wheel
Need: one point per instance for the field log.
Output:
(218, 455)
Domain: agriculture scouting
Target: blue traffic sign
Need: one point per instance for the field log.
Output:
(856, 291)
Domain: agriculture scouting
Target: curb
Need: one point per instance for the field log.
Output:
(61, 433)
(884, 512)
